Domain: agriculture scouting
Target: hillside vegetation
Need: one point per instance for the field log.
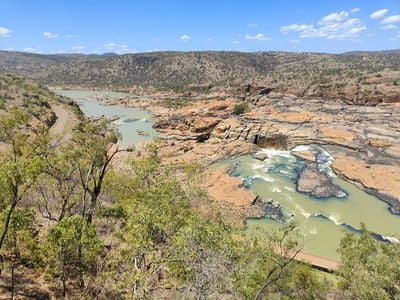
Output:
(32, 98)
(354, 77)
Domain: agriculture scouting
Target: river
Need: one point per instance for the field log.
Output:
(321, 223)
(134, 124)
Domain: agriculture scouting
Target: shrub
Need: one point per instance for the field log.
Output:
(241, 108)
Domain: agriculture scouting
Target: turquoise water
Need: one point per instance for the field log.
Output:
(321, 223)
(134, 124)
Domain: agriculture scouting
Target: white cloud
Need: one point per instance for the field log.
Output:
(294, 41)
(113, 47)
(252, 25)
(185, 38)
(258, 37)
(379, 14)
(236, 42)
(335, 26)
(156, 39)
(73, 36)
(354, 10)
(209, 40)
(334, 18)
(296, 27)
(50, 35)
(33, 50)
(79, 48)
(4, 32)
(391, 19)
(389, 27)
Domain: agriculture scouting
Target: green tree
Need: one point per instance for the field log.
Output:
(267, 267)
(20, 243)
(58, 186)
(19, 162)
(369, 269)
(92, 151)
(204, 257)
(72, 250)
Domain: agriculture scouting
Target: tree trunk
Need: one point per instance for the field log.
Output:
(7, 223)
(12, 281)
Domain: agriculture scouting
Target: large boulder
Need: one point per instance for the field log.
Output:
(317, 184)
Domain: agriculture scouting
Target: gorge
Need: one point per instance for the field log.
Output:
(299, 180)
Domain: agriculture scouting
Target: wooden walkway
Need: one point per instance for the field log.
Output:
(316, 261)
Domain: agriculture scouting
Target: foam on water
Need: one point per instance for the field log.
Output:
(324, 161)
(391, 239)
(263, 177)
(275, 189)
(334, 219)
(258, 165)
(118, 122)
(302, 148)
(274, 152)
(302, 211)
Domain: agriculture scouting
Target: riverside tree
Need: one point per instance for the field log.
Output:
(369, 269)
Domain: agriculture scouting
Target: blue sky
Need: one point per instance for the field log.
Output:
(122, 26)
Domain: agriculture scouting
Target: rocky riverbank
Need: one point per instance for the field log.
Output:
(363, 140)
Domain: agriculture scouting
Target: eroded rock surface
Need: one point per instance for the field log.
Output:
(378, 178)
(364, 140)
(317, 184)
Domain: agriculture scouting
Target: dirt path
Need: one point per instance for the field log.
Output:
(65, 120)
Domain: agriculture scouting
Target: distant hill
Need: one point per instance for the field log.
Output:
(351, 76)
(368, 53)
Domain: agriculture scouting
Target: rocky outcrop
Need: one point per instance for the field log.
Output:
(368, 137)
(306, 155)
(228, 192)
(383, 180)
(260, 155)
(317, 184)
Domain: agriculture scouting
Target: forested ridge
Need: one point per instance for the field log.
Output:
(76, 222)
(360, 77)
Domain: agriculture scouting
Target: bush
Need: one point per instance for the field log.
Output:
(241, 108)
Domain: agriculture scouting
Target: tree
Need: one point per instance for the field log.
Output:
(20, 243)
(58, 186)
(266, 260)
(204, 257)
(71, 250)
(154, 208)
(92, 151)
(19, 162)
(369, 269)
